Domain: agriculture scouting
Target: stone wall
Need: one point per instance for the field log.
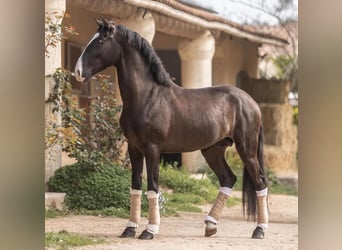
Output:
(52, 62)
(281, 144)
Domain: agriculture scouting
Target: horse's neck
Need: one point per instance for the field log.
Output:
(134, 79)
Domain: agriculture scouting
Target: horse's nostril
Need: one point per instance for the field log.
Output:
(78, 72)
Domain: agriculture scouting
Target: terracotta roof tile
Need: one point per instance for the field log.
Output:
(209, 16)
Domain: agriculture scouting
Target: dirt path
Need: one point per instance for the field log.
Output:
(186, 231)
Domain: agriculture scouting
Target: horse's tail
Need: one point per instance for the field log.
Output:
(248, 191)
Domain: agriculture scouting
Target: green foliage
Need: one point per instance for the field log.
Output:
(64, 240)
(235, 163)
(180, 181)
(233, 201)
(188, 192)
(105, 212)
(94, 137)
(93, 189)
(282, 64)
(287, 67)
(276, 187)
(295, 115)
(54, 213)
(54, 31)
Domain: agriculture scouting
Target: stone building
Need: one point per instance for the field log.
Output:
(198, 48)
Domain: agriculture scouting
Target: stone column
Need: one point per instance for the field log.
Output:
(219, 65)
(143, 23)
(52, 61)
(196, 72)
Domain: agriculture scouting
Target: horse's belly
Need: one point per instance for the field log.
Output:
(188, 141)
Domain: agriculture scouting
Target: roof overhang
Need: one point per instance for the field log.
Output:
(177, 19)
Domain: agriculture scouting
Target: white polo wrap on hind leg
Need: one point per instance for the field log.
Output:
(262, 208)
(153, 212)
(135, 209)
(220, 203)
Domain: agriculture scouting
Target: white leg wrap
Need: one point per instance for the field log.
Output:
(262, 225)
(135, 191)
(132, 224)
(135, 209)
(220, 203)
(262, 192)
(226, 190)
(210, 219)
(153, 212)
(153, 229)
(262, 208)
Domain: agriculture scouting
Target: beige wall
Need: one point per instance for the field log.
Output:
(165, 41)
(231, 56)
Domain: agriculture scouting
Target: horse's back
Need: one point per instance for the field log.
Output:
(231, 94)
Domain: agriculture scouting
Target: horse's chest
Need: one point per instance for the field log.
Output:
(130, 127)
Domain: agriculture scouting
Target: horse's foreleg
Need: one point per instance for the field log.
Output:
(135, 203)
(152, 164)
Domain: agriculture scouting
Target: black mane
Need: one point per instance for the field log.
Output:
(159, 73)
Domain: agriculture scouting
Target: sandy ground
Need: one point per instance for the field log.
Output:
(187, 230)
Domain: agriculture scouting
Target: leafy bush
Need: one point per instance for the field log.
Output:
(93, 137)
(180, 181)
(93, 189)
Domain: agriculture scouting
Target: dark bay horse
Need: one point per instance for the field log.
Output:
(158, 117)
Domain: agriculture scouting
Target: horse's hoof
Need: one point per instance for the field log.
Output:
(210, 229)
(128, 233)
(258, 233)
(145, 235)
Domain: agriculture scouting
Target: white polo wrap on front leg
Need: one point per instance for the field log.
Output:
(135, 209)
(220, 203)
(262, 208)
(153, 212)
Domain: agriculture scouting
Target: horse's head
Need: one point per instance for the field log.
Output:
(101, 51)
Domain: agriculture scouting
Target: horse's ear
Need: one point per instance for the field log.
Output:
(99, 22)
(111, 27)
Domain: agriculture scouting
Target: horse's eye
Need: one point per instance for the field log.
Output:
(100, 41)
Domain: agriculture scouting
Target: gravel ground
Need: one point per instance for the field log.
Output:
(186, 231)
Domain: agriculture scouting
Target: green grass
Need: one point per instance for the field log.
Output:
(63, 240)
(278, 188)
(53, 213)
(110, 211)
(233, 201)
(275, 186)
(182, 202)
(188, 193)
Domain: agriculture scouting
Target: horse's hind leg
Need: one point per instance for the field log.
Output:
(214, 156)
(254, 181)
